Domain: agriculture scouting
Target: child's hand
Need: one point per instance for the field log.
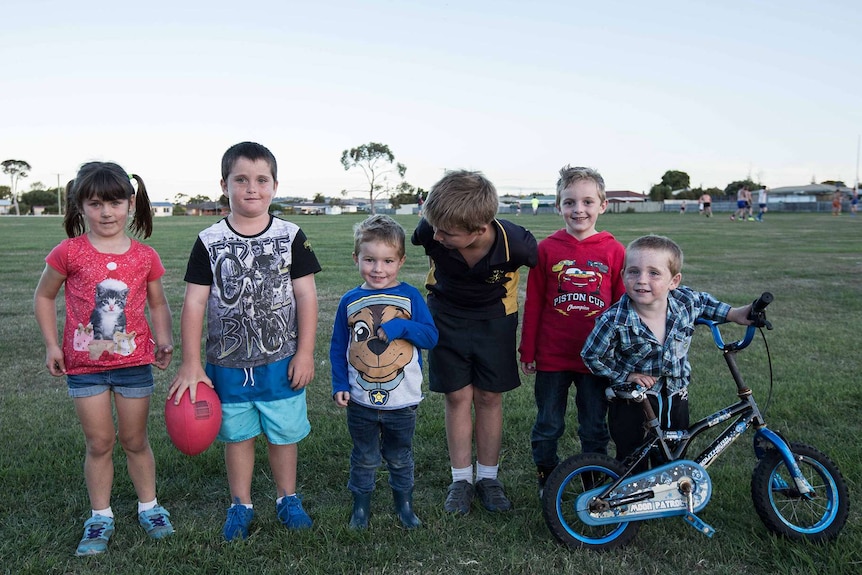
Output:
(300, 372)
(642, 379)
(54, 361)
(188, 377)
(740, 315)
(528, 368)
(164, 355)
(341, 398)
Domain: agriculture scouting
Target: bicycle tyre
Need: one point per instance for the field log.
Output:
(784, 511)
(562, 489)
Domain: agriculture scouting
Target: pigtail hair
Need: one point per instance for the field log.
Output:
(142, 222)
(73, 221)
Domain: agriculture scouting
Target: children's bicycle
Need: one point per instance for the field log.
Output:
(594, 501)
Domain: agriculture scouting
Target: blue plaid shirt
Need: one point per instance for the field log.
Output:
(621, 344)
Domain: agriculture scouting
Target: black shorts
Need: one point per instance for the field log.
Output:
(478, 352)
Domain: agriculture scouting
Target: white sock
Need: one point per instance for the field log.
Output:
(462, 474)
(147, 506)
(107, 512)
(486, 471)
(278, 501)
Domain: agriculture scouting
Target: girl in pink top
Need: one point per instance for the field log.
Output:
(107, 346)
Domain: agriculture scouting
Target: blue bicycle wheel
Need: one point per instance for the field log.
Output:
(565, 485)
(817, 516)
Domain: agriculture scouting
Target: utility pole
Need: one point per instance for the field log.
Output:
(59, 197)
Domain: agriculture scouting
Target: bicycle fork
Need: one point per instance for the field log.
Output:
(763, 434)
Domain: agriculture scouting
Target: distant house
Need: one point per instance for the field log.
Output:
(624, 196)
(5, 206)
(162, 209)
(206, 209)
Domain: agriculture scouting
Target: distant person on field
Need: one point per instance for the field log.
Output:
(854, 201)
(836, 203)
(706, 201)
(535, 204)
(251, 275)
(743, 198)
(682, 208)
(107, 347)
(380, 330)
(645, 337)
(473, 297)
(762, 203)
(578, 276)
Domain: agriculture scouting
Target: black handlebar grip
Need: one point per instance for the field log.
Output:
(760, 303)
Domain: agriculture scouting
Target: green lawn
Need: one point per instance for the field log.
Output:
(811, 262)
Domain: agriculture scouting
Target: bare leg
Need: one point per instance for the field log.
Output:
(459, 427)
(489, 426)
(239, 460)
(282, 461)
(97, 421)
(132, 417)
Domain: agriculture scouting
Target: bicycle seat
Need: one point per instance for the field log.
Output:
(628, 390)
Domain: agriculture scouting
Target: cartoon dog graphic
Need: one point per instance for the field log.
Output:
(380, 364)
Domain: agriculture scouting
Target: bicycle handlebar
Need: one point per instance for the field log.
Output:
(757, 315)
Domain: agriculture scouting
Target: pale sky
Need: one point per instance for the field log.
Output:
(516, 89)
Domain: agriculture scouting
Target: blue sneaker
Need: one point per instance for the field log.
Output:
(97, 530)
(155, 522)
(238, 519)
(291, 513)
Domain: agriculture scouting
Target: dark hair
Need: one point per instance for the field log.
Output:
(106, 181)
(251, 151)
(381, 228)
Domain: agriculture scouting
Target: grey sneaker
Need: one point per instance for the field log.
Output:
(97, 531)
(492, 496)
(459, 497)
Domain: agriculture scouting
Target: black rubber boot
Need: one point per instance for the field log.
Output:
(404, 508)
(361, 511)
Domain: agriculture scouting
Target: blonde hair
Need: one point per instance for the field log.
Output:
(570, 175)
(380, 228)
(461, 199)
(660, 244)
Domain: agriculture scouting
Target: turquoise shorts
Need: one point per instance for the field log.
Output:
(283, 421)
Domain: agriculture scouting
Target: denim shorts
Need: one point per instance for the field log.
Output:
(131, 382)
(283, 421)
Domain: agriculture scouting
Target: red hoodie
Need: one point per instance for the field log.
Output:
(574, 282)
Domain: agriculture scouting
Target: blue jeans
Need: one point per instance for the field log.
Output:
(552, 395)
(377, 432)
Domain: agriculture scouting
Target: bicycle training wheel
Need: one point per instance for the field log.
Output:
(817, 517)
(571, 478)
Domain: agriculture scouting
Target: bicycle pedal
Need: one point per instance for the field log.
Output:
(698, 524)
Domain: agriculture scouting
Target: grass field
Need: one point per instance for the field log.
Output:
(812, 263)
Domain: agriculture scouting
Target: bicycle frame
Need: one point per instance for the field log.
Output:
(673, 444)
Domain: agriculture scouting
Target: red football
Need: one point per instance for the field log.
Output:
(193, 427)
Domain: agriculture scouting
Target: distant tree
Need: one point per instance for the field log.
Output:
(5, 192)
(676, 180)
(318, 198)
(40, 197)
(200, 199)
(16, 169)
(377, 162)
(836, 183)
(181, 199)
(406, 193)
(734, 187)
(659, 192)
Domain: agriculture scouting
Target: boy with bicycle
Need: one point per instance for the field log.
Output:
(645, 337)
